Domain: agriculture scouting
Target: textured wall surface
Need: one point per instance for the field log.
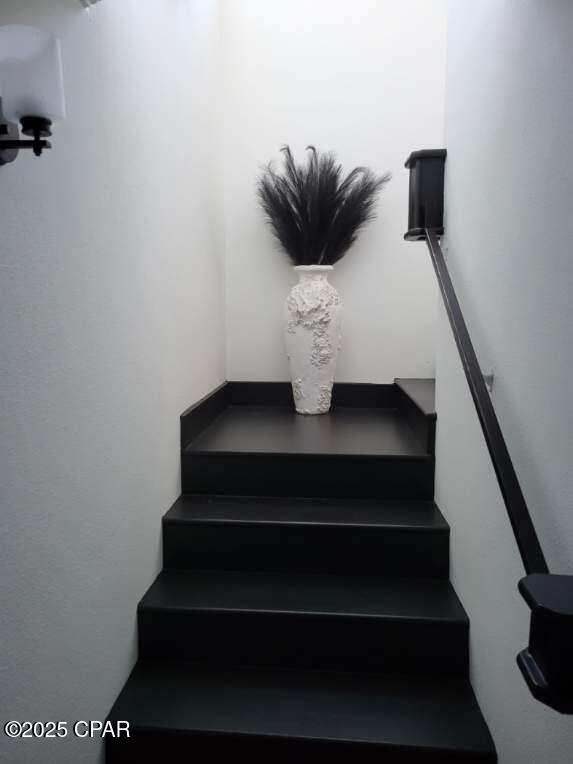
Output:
(509, 231)
(356, 78)
(111, 315)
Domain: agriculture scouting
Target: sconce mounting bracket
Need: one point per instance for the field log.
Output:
(38, 128)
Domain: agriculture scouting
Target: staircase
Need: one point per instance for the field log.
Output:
(304, 606)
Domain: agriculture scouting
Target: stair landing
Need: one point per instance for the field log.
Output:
(359, 449)
(280, 430)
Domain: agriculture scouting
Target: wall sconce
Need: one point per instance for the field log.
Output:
(31, 89)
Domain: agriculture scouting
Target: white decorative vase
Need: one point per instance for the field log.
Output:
(313, 335)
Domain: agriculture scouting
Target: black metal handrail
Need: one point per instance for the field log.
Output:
(547, 662)
(517, 510)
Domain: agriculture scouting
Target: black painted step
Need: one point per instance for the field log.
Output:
(272, 451)
(416, 400)
(422, 393)
(182, 712)
(305, 621)
(394, 538)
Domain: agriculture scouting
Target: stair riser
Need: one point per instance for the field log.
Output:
(309, 476)
(300, 641)
(312, 549)
(145, 746)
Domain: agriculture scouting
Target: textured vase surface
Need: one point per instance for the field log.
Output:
(313, 336)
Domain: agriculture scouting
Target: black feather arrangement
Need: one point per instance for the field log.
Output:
(314, 213)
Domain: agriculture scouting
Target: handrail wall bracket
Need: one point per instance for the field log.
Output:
(547, 662)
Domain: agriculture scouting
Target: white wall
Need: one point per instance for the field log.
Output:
(112, 323)
(363, 78)
(509, 233)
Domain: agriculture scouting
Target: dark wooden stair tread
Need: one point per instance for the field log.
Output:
(279, 430)
(397, 538)
(422, 392)
(262, 510)
(390, 712)
(304, 594)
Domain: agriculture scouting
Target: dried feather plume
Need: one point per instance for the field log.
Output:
(313, 212)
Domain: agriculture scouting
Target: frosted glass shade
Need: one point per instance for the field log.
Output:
(31, 78)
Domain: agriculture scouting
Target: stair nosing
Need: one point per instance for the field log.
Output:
(304, 523)
(423, 457)
(356, 741)
(142, 607)
(306, 612)
(185, 503)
